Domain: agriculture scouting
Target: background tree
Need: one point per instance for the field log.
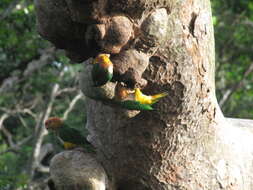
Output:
(36, 81)
(233, 31)
(30, 68)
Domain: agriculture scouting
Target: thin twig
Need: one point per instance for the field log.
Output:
(72, 105)
(8, 135)
(235, 87)
(30, 68)
(23, 121)
(17, 146)
(41, 131)
(3, 117)
(66, 90)
(43, 169)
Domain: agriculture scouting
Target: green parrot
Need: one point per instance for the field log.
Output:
(70, 137)
(102, 70)
(125, 98)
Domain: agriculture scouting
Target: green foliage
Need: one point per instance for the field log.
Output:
(233, 26)
(20, 44)
(12, 177)
(19, 40)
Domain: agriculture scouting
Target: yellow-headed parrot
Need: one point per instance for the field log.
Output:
(70, 137)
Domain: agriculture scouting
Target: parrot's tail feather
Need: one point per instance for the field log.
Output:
(158, 96)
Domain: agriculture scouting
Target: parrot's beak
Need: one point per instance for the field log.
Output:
(46, 125)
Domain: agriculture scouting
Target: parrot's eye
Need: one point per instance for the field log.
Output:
(48, 122)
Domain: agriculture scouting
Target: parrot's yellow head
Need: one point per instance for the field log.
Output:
(53, 123)
(103, 59)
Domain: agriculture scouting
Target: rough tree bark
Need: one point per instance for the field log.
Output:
(162, 45)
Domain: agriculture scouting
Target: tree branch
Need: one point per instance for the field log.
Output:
(3, 117)
(248, 22)
(8, 135)
(17, 146)
(27, 67)
(40, 130)
(17, 110)
(72, 105)
(22, 121)
(43, 169)
(235, 87)
(66, 90)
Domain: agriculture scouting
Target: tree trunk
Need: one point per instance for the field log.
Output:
(186, 143)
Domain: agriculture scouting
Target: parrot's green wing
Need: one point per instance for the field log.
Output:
(56, 141)
(134, 105)
(68, 134)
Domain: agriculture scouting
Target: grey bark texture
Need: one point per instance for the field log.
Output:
(186, 143)
(78, 171)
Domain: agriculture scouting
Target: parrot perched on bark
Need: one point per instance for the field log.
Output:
(126, 99)
(70, 137)
(102, 70)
